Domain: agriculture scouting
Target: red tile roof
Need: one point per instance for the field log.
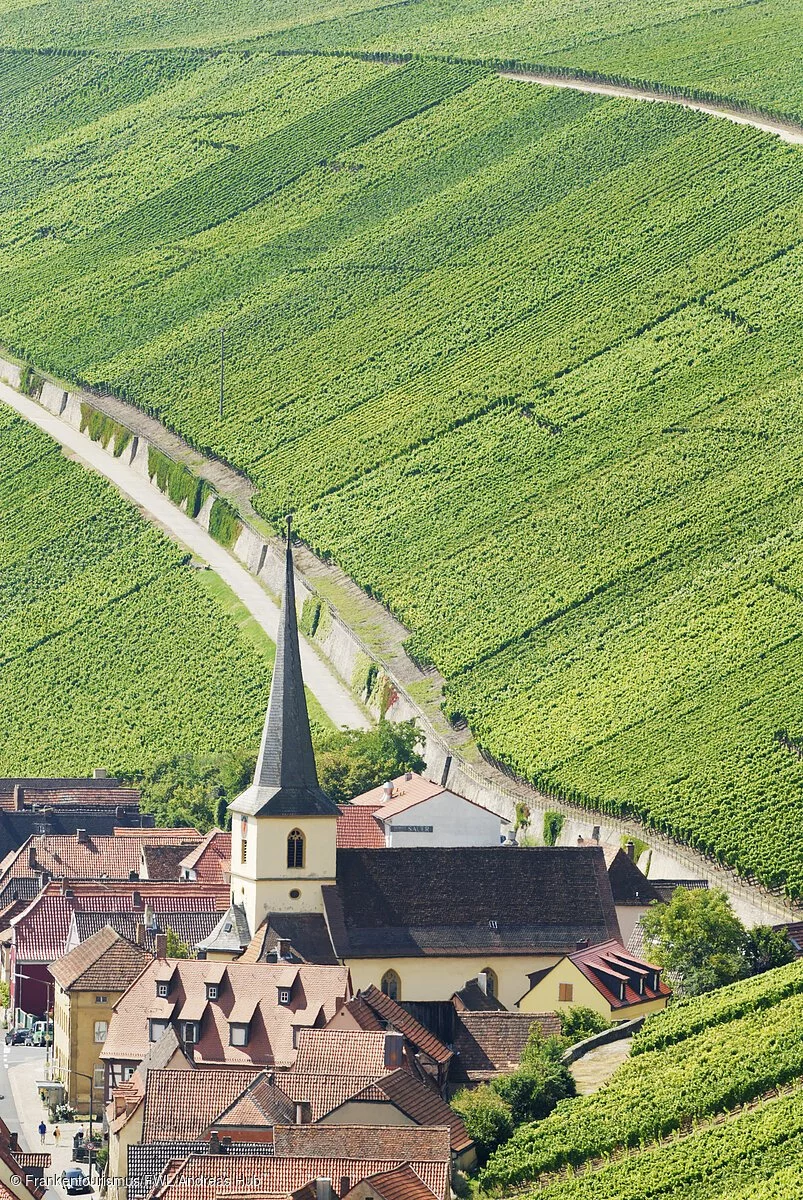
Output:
(405, 1142)
(315, 991)
(104, 962)
(616, 973)
(403, 1183)
(40, 932)
(395, 1017)
(357, 829)
(204, 1094)
(211, 860)
(421, 1103)
(204, 1177)
(408, 791)
(341, 1052)
(97, 856)
(324, 1093)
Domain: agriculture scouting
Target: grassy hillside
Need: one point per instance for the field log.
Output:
(523, 361)
(742, 1044)
(743, 50)
(112, 652)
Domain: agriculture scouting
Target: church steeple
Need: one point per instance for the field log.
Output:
(286, 779)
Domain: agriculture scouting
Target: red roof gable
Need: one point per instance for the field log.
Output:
(357, 829)
(619, 976)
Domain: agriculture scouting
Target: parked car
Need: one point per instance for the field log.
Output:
(76, 1183)
(16, 1037)
(34, 1037)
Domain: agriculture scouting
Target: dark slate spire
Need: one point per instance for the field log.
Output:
(286, 778)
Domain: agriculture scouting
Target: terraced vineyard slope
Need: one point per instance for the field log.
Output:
(742, 1045)
(747, 51)
(109, 641)
(523, 361)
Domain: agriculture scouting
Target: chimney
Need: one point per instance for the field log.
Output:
(303, 1112)
(160, 945)
(394, 1050)
(100, 773)
(139, 935)
(387, 791)
(345, 1185)
(32, 855)
(136, 901)
(323, 1189)
(630, 850)
(579, 839)
(81, 837)
(19, 794)
(582, 944)
(282, 949)
(133, 877)
(408, 774)
(225, 1145)
(214, 1142)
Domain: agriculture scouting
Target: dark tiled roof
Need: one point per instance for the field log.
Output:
(477, 900)
(666, 888)
(629, 885)
(286, 779)
(472, 998)
(307, 934)
(230, 935)
(108, 791)
(794, 931)
(189, 927)
(163, 862)
(487, 1044)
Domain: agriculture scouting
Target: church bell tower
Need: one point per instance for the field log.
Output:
(284, 826)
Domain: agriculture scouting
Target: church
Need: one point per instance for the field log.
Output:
(417, 922)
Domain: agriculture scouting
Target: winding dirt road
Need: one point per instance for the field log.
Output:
(333, 696)
(787, 131)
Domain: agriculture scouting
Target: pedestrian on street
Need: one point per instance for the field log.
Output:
(56, 1135)
(42, 1132)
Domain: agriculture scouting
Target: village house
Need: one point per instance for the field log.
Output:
(604, 977)
(88, 982)
(225, 1014)
(61, 806)
(414, 811)
(21, 1171)
(413, 921)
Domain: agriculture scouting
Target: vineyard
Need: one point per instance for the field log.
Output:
(749, 52)
(109, 644)
(523, 361)
(665, 1093)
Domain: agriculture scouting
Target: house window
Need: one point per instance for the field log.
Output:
(101, 1029)
(156, 1029)
(211, 989)
(566, 992)
(162, 989)
(491, 982)
(295, 848)
(238, 1034)
(284, 995)
(101, 999)
(391, 985)
(190, 1032)
(99, 1076)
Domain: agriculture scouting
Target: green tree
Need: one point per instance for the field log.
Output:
(486, 1116)
(195, 790)
(766, 948)
(699, 938)
(579, 1022)
(534, 1090)
(175, 947)
(351, 761)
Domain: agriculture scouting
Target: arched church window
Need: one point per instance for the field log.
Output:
(391, 985)
(295, 848)
(491, 982)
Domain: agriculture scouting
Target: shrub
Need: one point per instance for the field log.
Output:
(486, 1116)
(580, 1022)
(553, 824)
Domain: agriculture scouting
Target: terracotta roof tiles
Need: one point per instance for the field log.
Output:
(405, 1142)
(392, 1015)
(357, 829)
(104, 962)
(340, 1052)
(403, 1183)
(211, 860)
(491, 1043)
(204, 1093)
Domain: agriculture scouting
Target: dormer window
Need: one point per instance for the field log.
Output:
(212, 991)
(156, 1029)
(162, 989)
(190, 1032)
(239, 1033)
(284, 995)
